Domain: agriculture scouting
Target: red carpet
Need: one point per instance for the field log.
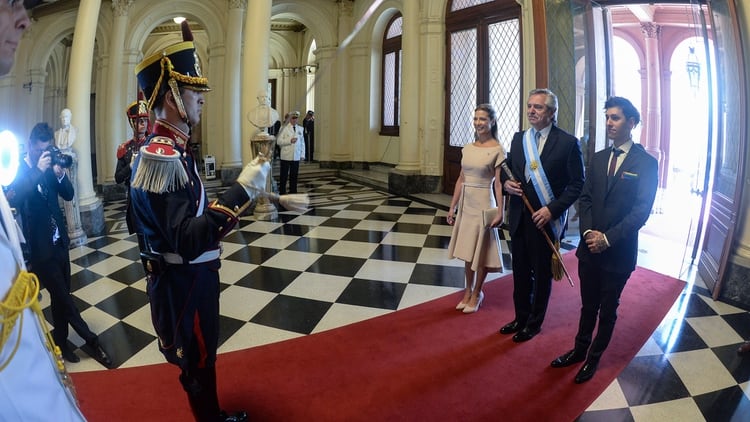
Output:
(427, 362)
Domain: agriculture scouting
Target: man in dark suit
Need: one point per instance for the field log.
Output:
(308, 123)
(547, 168)
(616, 202)
(40, 180)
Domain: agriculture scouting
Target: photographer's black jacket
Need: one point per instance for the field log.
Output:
(34, 194)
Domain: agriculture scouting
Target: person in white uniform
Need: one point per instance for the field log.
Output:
(292, 143)
(33, 382)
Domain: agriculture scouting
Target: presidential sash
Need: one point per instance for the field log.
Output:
(539, 180)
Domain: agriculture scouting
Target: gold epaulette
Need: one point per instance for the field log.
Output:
(160, 168)
(122, 149)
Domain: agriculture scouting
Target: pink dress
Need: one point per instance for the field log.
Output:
(471, 241)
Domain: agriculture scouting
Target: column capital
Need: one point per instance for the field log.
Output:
(237, 4)
(346, 8)
(651, 30)
(120, 7)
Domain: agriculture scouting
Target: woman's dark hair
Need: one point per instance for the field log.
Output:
(487, 107)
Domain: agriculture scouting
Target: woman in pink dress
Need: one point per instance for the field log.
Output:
(478, 188)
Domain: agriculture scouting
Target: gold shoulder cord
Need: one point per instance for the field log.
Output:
(24, 293)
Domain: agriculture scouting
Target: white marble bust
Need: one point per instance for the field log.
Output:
(263, 115)
(66, 135)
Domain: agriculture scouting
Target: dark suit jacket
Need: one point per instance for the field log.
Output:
(619, 210)
(563, 164)
(37, 209)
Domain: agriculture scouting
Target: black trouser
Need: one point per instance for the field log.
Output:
(289, 170)
(600, 294)
(54, 275)
(532, 273)
(200, 386)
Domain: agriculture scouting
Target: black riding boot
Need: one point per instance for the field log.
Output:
(200, 386)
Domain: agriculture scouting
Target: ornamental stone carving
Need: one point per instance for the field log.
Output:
(120, 7)
(651, 30)
(237, 4)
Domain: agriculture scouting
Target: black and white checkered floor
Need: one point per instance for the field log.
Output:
(359, 253)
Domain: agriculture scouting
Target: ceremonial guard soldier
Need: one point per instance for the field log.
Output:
(137, 113)
(181, 229)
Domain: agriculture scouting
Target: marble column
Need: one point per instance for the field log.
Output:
(409, 107)
(325, 111)
(432, 99)
(361, 144)
(652, 117)
(286, 92)
(255, 61)
(79, 97)
(116, 129)
(233, 119)
(341, 146)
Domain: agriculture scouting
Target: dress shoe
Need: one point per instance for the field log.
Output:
(471, 309)
(462, 304)
(744, 349)
(573, 356)
(525, 335)
(587, 371)
(69, 355)
(511, 327)
(240, 416)
(96, 351)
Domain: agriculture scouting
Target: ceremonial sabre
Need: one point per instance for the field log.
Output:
(551, 245)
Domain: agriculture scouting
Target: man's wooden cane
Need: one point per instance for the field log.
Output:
(551, 245)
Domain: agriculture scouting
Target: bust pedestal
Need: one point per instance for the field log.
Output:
(263, 143)
(72, 212)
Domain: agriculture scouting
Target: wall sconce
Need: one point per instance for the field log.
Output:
(693, 67)
(27, 86)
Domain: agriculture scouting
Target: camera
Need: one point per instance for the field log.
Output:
(59, 158)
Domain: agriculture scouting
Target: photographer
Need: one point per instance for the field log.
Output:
(41, 179)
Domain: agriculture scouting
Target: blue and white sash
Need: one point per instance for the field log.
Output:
(539, 180)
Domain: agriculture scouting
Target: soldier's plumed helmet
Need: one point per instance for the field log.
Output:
(177, 63)
(137, 109)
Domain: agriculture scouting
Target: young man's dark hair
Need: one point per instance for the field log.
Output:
(42, 132)
(628, 109)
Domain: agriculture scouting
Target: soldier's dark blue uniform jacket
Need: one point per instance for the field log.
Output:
(180, 226)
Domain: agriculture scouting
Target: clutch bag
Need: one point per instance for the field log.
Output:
(488, 215)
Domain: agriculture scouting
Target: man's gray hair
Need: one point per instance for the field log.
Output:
(551, 101)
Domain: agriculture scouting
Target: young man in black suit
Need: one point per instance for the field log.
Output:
(547, 168)
(616, 202)
(39, 182)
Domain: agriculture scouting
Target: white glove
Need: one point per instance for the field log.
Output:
(253, 177)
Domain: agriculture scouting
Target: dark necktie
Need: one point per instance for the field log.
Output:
(613, 161)
(54, 227)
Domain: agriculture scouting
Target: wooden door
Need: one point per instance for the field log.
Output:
(483, 65)
(729, 141)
